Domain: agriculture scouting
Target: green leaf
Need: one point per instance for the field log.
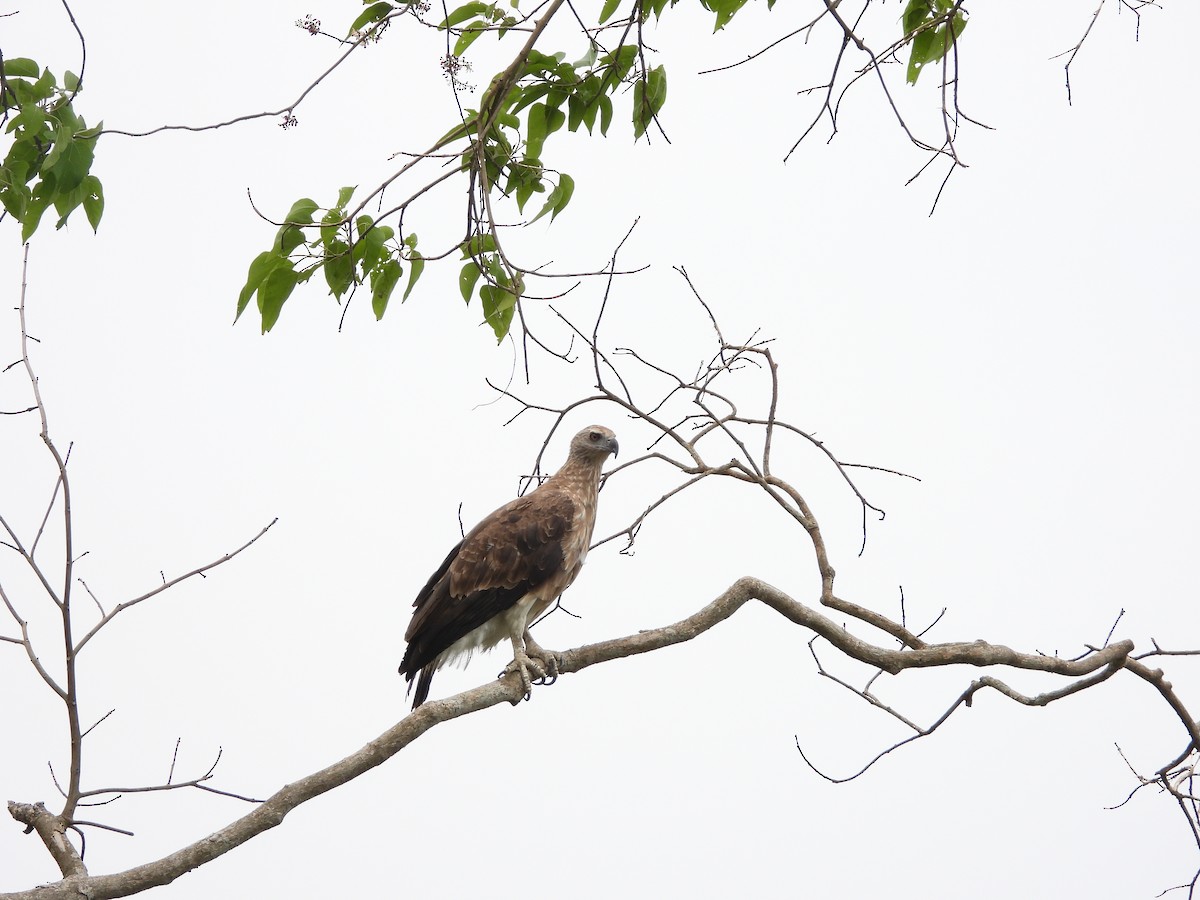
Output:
(557, 96)
(922, 47)
(93, 201)
(606, 11)
(588, 59)
(653, 7)
(941, 43)
(535, 135)
(576, 107)
(383, 282)
(478, 245)
(527, 188)
(30, 120)
(15, 198)
(416, 265)
(656, 88)
(464, 12)
(466, 280)
(530, 94)
(344, 196)
(498, 308)
(725, 10)
(459, 131)
(44, 87)
(555, 118)
(39, 199)
(260, 268)
(559, 197)
(65, 204)
(619, 64)
(648, 98)
(287, 239)
(467, 38)
(331, 226)
(339, 268)
(565, 189)
(606, 114)
(301, 211)
(641, 109)
(21, 67)
(369, 248)
(61, 141)
(956, 27)
(583, 104)
(370, 15)
(916, 13)
(274, 292)
(537, 61)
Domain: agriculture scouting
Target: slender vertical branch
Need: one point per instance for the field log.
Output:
(71, 697)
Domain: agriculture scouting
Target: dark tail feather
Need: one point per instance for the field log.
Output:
(423, 683)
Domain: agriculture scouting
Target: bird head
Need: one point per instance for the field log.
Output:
(594, 442)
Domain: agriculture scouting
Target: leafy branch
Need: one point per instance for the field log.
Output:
(49, 162)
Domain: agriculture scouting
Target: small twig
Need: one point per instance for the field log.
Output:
(174, 757)
(84, 822)
(97, 722)
(166, 585)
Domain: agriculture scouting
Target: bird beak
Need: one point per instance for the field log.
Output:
(613, 446)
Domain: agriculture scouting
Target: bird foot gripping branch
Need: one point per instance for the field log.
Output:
(543, 664)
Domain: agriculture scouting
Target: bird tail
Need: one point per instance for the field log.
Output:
(423, 682)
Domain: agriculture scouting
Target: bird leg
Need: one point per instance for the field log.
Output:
(550, 661)
(529, 657)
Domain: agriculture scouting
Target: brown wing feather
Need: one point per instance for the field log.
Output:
(511, 552)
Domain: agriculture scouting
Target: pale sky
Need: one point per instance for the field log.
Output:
(1029, 352)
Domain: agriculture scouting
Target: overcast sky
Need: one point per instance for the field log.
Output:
(1029, 352)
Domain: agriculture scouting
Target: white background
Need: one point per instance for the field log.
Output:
(1029, 351)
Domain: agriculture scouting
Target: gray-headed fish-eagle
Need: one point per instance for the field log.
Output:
(507, 571)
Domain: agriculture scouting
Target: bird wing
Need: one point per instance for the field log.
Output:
(515, 550)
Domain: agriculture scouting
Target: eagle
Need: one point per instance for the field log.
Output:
(507, 571)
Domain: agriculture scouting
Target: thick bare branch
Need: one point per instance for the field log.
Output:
(273, 811)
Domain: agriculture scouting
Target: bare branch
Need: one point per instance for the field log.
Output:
(272, 811)
(168, 584)
(287, 111)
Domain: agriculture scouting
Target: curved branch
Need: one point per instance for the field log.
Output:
(284, 111)
(273, 811)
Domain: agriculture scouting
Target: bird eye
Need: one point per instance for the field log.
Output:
(594, 436)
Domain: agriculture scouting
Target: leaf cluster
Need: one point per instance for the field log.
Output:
(932, 27)
(501, 146)
(49, 162)
(351, 252)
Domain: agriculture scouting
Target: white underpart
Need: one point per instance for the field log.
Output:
(492, 632)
